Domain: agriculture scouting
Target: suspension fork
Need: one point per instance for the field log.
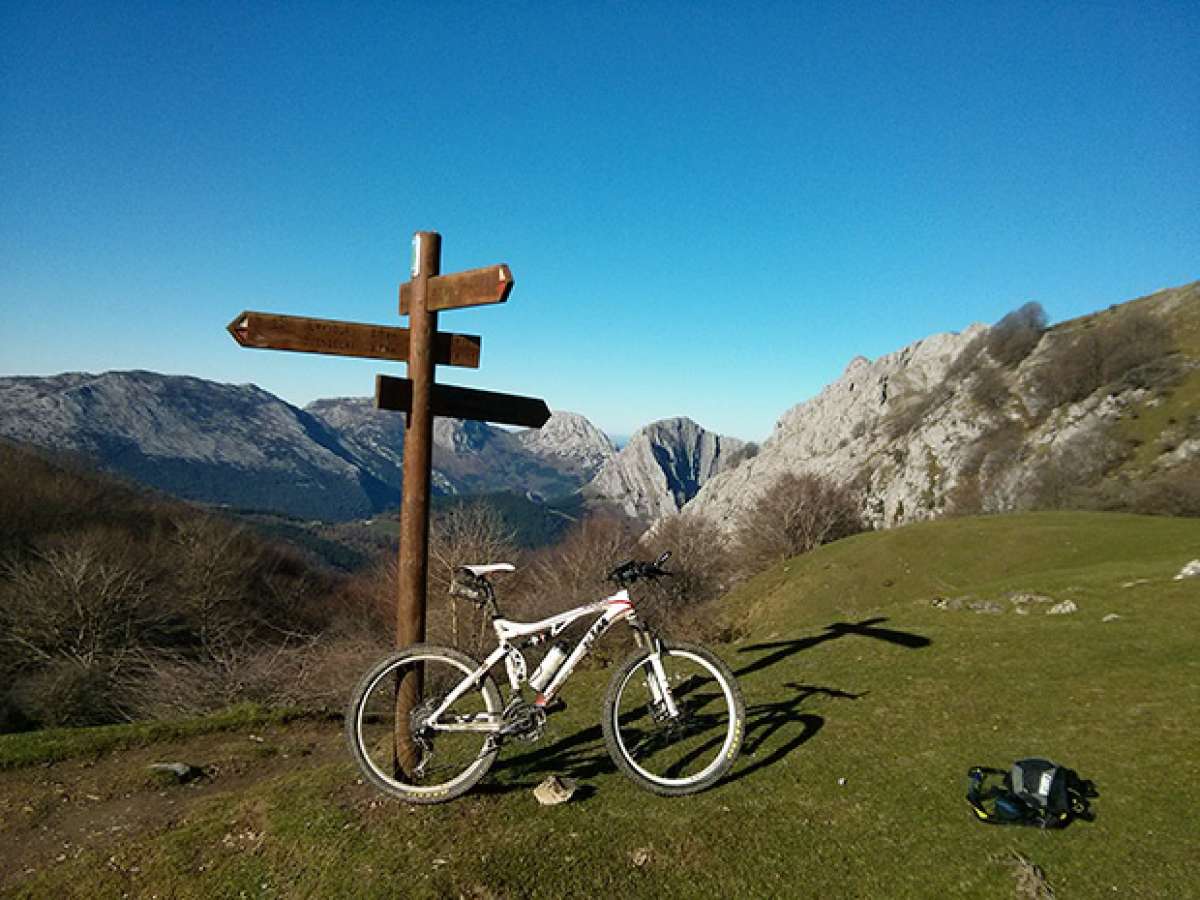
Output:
(656, 678)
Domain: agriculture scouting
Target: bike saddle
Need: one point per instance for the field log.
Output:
(490, 567)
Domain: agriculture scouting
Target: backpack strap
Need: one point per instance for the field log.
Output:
(1006, 807)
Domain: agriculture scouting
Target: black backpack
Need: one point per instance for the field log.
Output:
(1033, 792)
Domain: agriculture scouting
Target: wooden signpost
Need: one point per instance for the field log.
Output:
(464, 403)
(268, 331)
(423, 347)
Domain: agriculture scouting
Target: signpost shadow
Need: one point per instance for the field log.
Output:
(781, 650)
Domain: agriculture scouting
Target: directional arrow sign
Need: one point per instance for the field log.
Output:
(270, 331)
(464, 403)
(475, 287)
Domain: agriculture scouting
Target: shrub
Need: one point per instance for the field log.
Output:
(797, 514)
(1015, 336)
(1063, 481)
(1131, 342)
(73, 693)
(1175, 492)
(916, 408)
(981, 475)
(463, 535)
(1126, 350)
(88, 600)
(701, 564)
(101, 583)
(989, 390)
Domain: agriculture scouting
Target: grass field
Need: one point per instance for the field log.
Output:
(866, 704)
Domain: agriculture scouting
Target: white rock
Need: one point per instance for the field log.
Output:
(843, 431)
(1191, 570)
(554, 790)
(180, 770)
(1061, 609)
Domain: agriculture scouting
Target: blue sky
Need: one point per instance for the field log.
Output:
(709, 209)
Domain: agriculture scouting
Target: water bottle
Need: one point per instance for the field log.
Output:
(543, 674)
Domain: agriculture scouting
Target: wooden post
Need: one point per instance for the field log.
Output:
(418, 447)
(414, 504)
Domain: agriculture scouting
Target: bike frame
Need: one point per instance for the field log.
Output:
(512, 637)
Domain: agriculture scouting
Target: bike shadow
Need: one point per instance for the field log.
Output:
(581, 756)
(765, 720)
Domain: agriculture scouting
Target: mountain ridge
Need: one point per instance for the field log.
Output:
(242, 447)
(941, 425)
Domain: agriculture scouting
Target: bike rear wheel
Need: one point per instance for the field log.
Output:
(681, 753)
(415, 762)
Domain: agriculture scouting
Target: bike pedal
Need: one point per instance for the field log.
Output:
(558, 704)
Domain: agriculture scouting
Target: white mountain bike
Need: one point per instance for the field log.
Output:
(427, 722)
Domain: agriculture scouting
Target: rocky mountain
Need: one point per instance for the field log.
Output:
(1106, 403)
(572, 442)
(473, 457)
(217, 443)
(662, 467)
(240, 446)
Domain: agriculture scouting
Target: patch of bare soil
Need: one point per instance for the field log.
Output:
(54, 812)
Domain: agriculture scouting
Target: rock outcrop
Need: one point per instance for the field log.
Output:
(842, 434)
(571, 442)
(662, 467)
(917, 430)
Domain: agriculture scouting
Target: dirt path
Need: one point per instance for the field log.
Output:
(53, 812)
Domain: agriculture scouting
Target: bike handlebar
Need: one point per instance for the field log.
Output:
(631, 570)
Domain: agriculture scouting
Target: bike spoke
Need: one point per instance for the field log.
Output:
(673, 749)
(432, 757)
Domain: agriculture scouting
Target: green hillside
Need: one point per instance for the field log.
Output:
(1071, 555)
(866, 704)
(1169, 416)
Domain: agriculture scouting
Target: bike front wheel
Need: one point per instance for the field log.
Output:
(677, 729)
(396, 746)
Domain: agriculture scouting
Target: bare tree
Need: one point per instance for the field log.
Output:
(989, 389)
(211, 569)
(701, 564)
(573, 570)
(797, 514)
(466, 534)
